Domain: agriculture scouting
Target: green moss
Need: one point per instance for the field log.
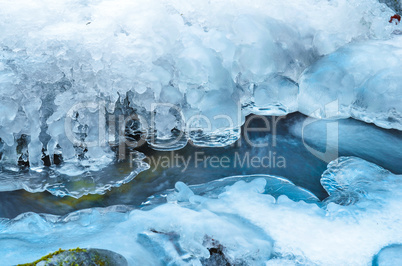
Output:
(51, 255)
(98, 260)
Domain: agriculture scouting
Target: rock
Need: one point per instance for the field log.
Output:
(83, 257)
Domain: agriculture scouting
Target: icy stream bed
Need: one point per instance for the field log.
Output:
(272, 219)
(286, 155)
(249, 219)
(260, 132)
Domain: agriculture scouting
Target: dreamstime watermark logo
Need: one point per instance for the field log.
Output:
(90, 124)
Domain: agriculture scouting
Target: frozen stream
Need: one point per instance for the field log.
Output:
(171, 132)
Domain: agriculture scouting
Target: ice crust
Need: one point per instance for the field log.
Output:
(390, 255)
(70, 64)
(362, 79)
(240, 218)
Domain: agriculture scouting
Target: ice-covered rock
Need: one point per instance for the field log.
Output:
(349, 180)
(389, 255)
(351, 83)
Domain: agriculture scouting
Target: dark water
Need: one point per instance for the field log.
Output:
(283, 152)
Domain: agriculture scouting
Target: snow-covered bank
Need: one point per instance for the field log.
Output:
(241, 219)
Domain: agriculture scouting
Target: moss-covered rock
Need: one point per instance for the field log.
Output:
(81, 257)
